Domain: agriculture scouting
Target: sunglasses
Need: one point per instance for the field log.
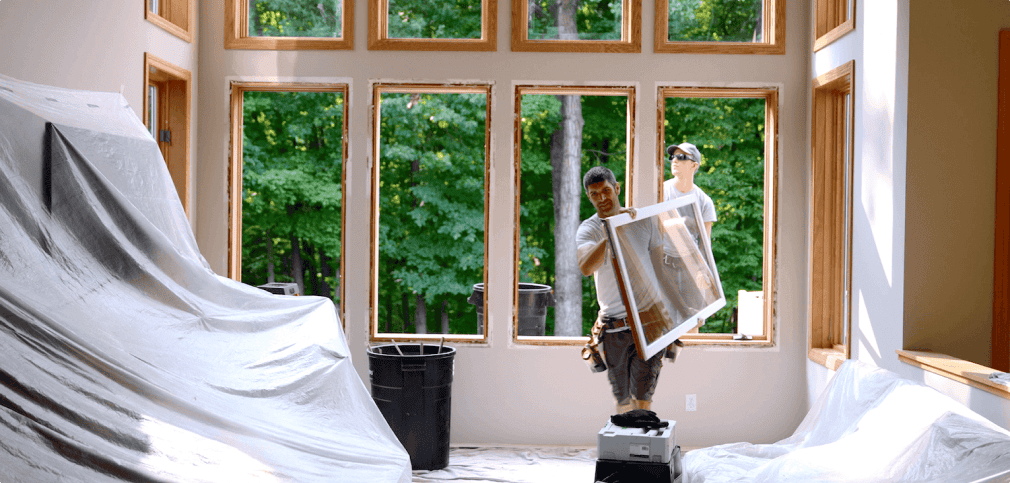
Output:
(681, 157)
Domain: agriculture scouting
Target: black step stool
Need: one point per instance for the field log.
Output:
(616, 471)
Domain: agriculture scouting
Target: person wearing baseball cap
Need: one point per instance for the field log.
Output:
(684, 162)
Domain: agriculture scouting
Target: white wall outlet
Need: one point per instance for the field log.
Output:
(692, 402)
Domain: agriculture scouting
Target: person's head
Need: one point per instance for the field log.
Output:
(602, 189)
(684, 160)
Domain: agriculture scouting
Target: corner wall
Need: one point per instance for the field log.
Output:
(545, 395)
(92, 45)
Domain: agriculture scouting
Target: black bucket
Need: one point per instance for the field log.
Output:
(533, 301)
(414, 394)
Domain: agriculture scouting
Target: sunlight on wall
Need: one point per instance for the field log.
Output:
(875, 79)
(867, 340)
(186, 456)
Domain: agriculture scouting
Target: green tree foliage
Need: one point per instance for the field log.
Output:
(730, 135)
(594, 19)
(295, 18)
(431, 223)
(291, 188)
(715, 20)
(429, 19)
(603, 143)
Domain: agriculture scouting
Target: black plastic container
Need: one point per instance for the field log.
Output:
(414, 393)
(533, 301)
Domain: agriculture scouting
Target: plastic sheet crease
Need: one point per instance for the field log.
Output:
(124, 357)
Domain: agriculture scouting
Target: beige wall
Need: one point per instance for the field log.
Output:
(951, 175)
(509, 394)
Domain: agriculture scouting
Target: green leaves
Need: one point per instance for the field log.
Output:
(427, 19)
(715, 20)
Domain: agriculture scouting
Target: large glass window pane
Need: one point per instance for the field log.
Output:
(575, 19)
(292, 168)
(431, 198)
(715, 20)
(434, 19)
(295, 18)
(562, 137)
(730, 134)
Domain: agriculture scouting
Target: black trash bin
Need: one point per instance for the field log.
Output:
(414, 394)
(533, 301)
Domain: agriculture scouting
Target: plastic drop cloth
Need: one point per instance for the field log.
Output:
(123, 357)
(869, 425)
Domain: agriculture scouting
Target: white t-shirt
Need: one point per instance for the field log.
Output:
(707, 206)
(644, 236)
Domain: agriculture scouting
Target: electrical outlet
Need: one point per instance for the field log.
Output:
(692, 402)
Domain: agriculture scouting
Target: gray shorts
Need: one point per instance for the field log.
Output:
(629, 375)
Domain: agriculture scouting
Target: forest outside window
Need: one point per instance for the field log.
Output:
(454, 25)
(429, 197)
(720, 26)
(289, 145)
(834, 19)
(577, 26)
(831, 217)
(175, 16)
(289, 24)
(561, 132)
(735, 131)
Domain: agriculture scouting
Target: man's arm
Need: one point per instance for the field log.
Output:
(708, 226)
(592, 256)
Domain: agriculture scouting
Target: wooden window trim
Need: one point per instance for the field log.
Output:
(965, 372)
(830, 232)
(771, 97)
(1000, 342)
(832, 20)
(378, 38)
(631, 33)
(184, 28)
(236, 28)
(774, 35)
(238, 89)
(176, 114)
(377, 89)
(560, 90)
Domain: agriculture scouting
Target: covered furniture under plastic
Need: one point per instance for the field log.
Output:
(869, 425)
(124, 357)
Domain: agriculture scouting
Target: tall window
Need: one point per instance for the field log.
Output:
(287, 177)
(167, 117)
(831, 216)
(289, 24)
(432, 25)
(720, 26)
(175, 16)
(577, 25)
(561, 133)
(431, 156)
(735, 131)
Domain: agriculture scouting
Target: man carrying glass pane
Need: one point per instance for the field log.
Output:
(632, 379)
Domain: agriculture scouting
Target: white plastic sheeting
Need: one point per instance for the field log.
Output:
(869, 425)
(124, 357)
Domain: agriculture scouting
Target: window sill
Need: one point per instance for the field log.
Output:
(970, 373)
(830, 358)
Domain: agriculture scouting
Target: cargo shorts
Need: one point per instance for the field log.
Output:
(629, 375)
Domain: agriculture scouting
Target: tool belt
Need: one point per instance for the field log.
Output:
(612, 324)
(592, 353)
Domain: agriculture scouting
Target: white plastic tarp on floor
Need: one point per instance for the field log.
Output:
(124, 357)
(869, 426)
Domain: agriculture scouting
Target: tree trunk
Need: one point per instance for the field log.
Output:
(270, 258)
(308, 264)
(389, 313)
(445, 317)
(297, 271)
(406, 311)
(759, 25)
(566, 168)
(324, 269)
(420, 315)
(567, 29)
